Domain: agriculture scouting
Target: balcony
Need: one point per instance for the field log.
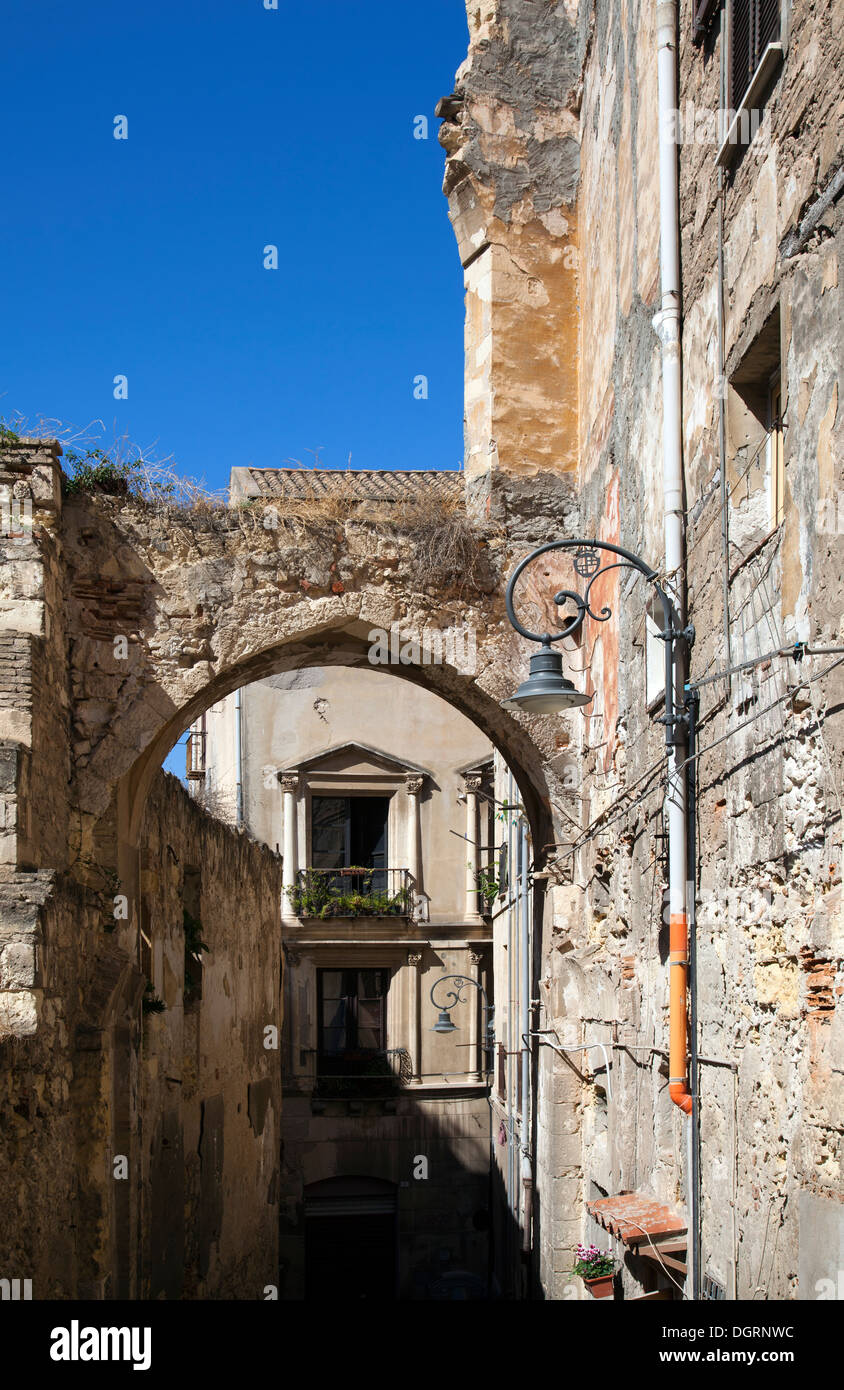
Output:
(195, 755)
(352, 892)
(362, 1074)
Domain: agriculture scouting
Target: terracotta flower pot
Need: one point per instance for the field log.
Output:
(601, 1286)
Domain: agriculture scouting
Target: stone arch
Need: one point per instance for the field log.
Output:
(128, 620)
(210, 604)
(345, 646)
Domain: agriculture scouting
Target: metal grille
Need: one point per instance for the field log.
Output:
(754, 24)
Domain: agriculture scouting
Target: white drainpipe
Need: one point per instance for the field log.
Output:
(238, 756)
(668, 326)
(526, 1165)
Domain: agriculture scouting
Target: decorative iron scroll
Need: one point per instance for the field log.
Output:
(588, 562)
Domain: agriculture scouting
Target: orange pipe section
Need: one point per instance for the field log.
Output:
(678, 1029)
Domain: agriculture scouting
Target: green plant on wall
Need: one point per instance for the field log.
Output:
(488, 886)
(8, 435)
(97, 471)
(321, 895)
(194, 946)
(150, 1002)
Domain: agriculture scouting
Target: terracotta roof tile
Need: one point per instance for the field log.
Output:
(359, 485)
(633, 1216)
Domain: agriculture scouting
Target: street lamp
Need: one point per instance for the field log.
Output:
(444, 1023)
(547, 691)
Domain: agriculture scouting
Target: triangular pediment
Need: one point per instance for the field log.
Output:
(359, 758)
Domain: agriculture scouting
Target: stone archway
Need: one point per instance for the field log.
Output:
(124, 621)
(128, 619)
(206, 603)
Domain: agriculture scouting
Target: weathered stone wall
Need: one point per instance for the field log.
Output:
(770, 938)
(210, 1090)
(34, 694)
(149, 616)
(190, 1099)
(769, 954)
(68, 987)
(769, 821)
(510, 132)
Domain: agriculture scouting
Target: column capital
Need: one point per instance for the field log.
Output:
(414, 782)
(473, 780)
(289, 781)
(414, 958)
(476, 957)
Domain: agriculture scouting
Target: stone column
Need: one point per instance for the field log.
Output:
(473, 782)
(477, 1035)
(414, 783)
(292, 1025)
(414, 959)
(289, 788)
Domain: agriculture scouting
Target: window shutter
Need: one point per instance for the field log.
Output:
(755, 24)
(741, 69)
(768, 21)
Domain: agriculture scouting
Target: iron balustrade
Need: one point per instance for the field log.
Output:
(352, 892)
(195, 755)
(363, 1072)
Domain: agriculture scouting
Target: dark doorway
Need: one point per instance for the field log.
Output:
(350, 1240)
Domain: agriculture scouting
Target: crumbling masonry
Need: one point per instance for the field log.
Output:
(120, 623)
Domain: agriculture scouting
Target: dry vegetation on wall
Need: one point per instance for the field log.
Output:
(122, 469)
(448, 548)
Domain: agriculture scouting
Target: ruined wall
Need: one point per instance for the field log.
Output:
(155, 1136)
(147, 615)
(34, 693)
(210, 1093)
(510, 132)
(56, 1088)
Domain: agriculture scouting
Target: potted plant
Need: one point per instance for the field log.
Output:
(596, 1268)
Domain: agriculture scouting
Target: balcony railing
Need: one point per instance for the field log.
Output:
(352, 892)
(195, 755)
(364, 1073)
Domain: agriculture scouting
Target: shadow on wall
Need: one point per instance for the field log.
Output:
(416, 1215)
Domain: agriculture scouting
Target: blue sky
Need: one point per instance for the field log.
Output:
(246, 127)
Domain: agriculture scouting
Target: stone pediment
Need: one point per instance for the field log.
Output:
(357, 759)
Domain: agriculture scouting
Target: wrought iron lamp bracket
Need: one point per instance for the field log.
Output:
(589, 564)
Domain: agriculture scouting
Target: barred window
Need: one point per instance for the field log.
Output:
(753, 25)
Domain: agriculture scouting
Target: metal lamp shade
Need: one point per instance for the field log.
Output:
(546, 690)
(444, 1023)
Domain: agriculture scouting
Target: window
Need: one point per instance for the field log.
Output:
(755, 426)
(349, 830)
(754, 24)
(775, 451)
(352, 1012)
